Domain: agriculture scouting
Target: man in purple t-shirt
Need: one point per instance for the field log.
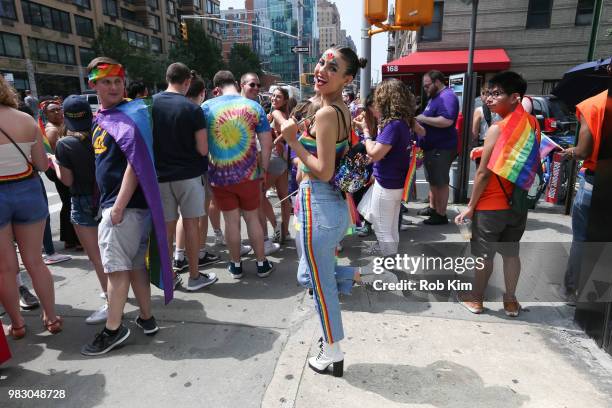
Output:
(439, 144)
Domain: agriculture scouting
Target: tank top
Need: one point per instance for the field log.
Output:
(13, 166)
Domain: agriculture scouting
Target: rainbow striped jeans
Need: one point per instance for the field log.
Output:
(323, 220)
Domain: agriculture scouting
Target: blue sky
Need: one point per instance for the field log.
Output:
(351, 14)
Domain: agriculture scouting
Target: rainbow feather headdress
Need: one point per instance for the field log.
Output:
(516, 155)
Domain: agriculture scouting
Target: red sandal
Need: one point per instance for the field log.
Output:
(55, 326)
(17, 332)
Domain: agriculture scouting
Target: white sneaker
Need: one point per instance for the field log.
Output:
(271, 193)
(55, 258)
(245, 249)
(219, 238)
(270, 247)
(99, 316)
(329, 355)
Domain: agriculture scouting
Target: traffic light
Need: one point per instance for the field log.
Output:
(184, 33)
(307, 79)
(413, 13)
(376, 10)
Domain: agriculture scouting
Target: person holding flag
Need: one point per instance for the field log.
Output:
(395, 107)
(130, 201)
(510, 161)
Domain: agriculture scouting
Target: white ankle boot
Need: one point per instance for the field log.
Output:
(329, 355)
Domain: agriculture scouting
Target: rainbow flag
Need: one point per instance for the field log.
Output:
(45, 140)
(516, 155)
(130, 125)
(411, 175)
(354, 218)
(547, 145)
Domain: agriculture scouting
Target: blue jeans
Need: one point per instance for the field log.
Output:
(580, 220)
(323, 219)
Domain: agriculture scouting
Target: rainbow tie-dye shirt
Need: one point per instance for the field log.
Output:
(233, 123)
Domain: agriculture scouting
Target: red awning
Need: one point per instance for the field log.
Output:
(448, 62)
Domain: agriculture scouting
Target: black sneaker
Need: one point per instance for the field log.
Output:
(265, 270)
(436, 219)
(104, 342)
(235, 271)
(208, 259)
(180, 266)
(426, 212)
(149, 326)
(27, 300)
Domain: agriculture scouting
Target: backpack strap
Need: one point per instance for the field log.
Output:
(486, 112)
(508, 198)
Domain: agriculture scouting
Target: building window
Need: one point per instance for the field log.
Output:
(84, 26)
(156, 45)
(548, 86)
(82, 3)
(10, 45)
(47, 17)
(86, 55)
(538, 14)
(170, 8)
(172, 29)
(136, 39)
(109, 7)
(433, 32)
(153, 4)
(128, 14)
(154, 22)
(43, 50)
(7, 9)
(584, 12)
(197, 4)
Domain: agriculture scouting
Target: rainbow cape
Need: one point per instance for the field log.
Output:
(516, 155)
(411, 175)
(130, 125)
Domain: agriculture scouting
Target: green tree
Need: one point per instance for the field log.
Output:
(139, 63)
(242, 60)
(199, 52)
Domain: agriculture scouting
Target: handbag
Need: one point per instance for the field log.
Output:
(352, 173)
(365, 205)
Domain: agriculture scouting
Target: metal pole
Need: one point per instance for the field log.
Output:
(594, 29)
(460, 195)
(300, 39)
(366, 52)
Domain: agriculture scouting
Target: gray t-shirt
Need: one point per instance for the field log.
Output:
(32, 103)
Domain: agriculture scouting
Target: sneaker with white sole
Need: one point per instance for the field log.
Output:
(180, 265)
(245, 249)
(149, 326)
(263, 271)
(235, 271)
(55, 258)
(177, 281)
(219, 238)
(208, 259)
(105, 342)
(270, 247)
(27, 300)
(99, 316)
(203, 280)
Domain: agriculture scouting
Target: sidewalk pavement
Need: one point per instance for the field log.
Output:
(404, 351)
(245, 343)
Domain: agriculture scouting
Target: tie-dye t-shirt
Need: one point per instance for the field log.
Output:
(233, 123)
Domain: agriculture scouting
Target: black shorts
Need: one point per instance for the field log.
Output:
(497, 231)
(437, 166)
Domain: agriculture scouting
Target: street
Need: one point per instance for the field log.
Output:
(245, 343)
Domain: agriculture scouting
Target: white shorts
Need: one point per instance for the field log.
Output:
(123, 247)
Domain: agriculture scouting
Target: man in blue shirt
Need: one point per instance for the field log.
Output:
(439, 144)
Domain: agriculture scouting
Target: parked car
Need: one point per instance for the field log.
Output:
(93, 101)
(555, 118)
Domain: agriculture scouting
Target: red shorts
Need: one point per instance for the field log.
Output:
(244, 196)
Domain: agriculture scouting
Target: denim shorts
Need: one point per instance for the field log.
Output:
(83, 211)
(22, 202)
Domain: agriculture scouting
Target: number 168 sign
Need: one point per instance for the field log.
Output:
(392, 68)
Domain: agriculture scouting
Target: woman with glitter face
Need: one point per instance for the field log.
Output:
(323, 214)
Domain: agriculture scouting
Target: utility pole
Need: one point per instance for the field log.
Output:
(460, 193)
(594, 29)
(366, 52)
(300, 39)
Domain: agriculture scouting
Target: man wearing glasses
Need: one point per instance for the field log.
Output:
(440, 143)
(249, 88)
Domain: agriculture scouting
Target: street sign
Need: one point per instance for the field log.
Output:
(300, 49)
(9, 77)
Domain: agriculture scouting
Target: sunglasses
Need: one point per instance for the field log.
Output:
(254, 85)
